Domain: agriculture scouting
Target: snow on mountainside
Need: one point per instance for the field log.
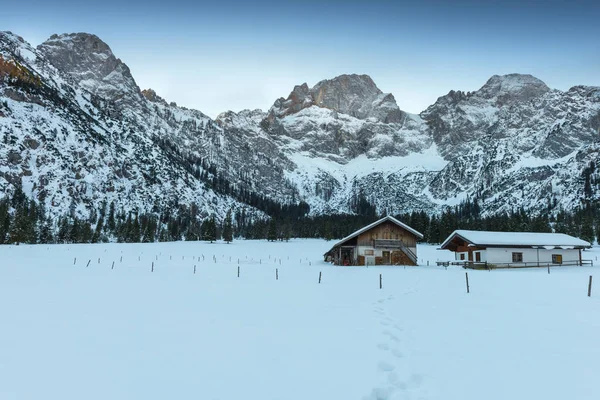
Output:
(77, 130)
(513, 143)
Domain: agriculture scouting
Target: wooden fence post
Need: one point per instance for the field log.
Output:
(152, 267)
(194, 269)
(548, 269)
(113, 265)
(238, 271)
(380, 282)
(88, 264)
(319, 276)
(590, 287)
(276, 274)
(75, 260)
(467, 277)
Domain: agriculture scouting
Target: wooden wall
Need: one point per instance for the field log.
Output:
(387, 230)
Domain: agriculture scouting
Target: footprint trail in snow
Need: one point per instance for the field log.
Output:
(397, 380)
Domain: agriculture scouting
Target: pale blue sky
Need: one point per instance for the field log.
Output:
(216, 56)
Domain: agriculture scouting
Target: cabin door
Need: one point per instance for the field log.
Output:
(369, 260)
(385, 255)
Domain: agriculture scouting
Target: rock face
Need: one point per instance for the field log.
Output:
(513, 143)
(91, 64)
(81, 135)
(78, 132)
(354, 95)
(151, 96)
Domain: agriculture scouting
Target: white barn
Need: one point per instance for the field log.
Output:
(515, 249)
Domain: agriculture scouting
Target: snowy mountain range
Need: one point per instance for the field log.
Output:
(77, 131)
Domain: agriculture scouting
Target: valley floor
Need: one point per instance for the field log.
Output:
(73, 327)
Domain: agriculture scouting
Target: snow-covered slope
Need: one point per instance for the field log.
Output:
(513, 143)
(516, 143)
(77, 131)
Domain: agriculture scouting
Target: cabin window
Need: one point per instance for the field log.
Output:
(477, 256)
(369, 252)
(462, 256)
(556, 258)
(517, 257)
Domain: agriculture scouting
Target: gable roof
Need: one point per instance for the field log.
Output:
(520, 239)
(374, 224)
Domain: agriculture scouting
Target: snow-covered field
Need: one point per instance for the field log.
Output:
(70, 331)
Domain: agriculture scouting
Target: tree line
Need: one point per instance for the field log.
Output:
(22, 220)
(583, 222)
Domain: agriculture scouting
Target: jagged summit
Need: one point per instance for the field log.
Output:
(77, 132)
(8, 35)
(512, 87)
(354, 95)
(151, 95)
(90, 62)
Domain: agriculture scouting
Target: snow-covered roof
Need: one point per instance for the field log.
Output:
(521, 239)
(374, 224)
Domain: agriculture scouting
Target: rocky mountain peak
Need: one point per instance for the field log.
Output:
(14, 46)
(353, 86)
(512, 87)
(151, 95)
(354, 95)
(8, 36)
(358, 96)
(90, 62)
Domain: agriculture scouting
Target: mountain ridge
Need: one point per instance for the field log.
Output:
(514, 143)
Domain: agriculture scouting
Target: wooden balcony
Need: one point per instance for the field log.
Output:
(388, 244)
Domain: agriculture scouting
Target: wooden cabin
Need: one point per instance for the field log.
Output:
(476, 249)
(384, 242)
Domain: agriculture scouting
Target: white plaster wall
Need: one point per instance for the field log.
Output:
(361, 251)
(504, 255)
(483, 255)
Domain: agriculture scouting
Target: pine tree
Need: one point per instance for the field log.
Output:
(99, 228)
(4, 221)
(587, 230)
(272, 232)
(212, 230)
(110, 223)
(19, 229)
(46, 235)
(227, 228)
(134, 231)
(328, 234)
(63, 230)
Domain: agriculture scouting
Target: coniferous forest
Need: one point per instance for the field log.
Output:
(23, 220)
